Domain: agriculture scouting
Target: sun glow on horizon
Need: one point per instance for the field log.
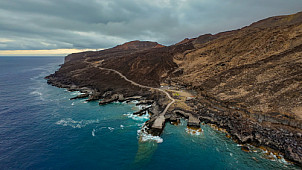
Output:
(53, 52)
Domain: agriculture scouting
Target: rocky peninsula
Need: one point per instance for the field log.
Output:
(246, 81)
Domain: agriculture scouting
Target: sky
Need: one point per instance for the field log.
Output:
(59, 27)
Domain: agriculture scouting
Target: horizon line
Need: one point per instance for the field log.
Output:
(44, 52)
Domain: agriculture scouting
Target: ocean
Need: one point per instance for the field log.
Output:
(40, 128)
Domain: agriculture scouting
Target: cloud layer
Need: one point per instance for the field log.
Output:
(95, 24)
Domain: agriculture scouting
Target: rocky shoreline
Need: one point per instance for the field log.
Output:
(258, 131)
(243, 127)
(246, 81)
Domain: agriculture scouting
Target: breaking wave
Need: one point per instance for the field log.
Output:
(111, 129)
(93, 132)
(144, 136)
(36, 93)
(76, 124)
(144, 117)
(193, 131)
(76, 93)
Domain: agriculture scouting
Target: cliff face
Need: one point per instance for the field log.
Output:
(248, 81)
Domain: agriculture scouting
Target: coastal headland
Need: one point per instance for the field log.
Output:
(246, 81)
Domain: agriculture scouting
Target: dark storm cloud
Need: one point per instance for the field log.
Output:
(52, 24)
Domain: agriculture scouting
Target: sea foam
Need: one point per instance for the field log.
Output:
(76, 93)
(76, 124)
(196, 132)
(144, 136)
(144, 117)
(93, 132)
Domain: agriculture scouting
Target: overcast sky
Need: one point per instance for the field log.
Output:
(96, 24)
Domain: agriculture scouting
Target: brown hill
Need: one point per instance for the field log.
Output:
(261, 69)
(138, 45)
(248, 81)
(285, 20)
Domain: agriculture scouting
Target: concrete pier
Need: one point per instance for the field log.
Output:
(193, 122)
(158, 125)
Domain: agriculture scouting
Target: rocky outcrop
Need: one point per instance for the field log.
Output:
(95, 95)
(113, 98)
(193, 121)
(142, 111)
(145, 102)
(172, 118)
(80, 96)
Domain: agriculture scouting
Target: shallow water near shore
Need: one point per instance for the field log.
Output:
(40, 128)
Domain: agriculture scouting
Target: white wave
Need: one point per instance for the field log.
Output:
(111, 129)
(93, 132)
(140, 107)
(196, 132)
(74, 123)
(140, 124)
(279, 158)
(36, 93)
(122, 126)
(282, 160)
(76, 93)
(35, 78)
(147, 137)
(38, 69)
(134, 101)
(273, 157)
(144, 117)
(144, 136)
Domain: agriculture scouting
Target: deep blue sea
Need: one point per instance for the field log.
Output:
(40, 128)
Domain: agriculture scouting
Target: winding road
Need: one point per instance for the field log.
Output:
(161, 116)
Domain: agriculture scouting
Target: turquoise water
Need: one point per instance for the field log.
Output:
(40, 128)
